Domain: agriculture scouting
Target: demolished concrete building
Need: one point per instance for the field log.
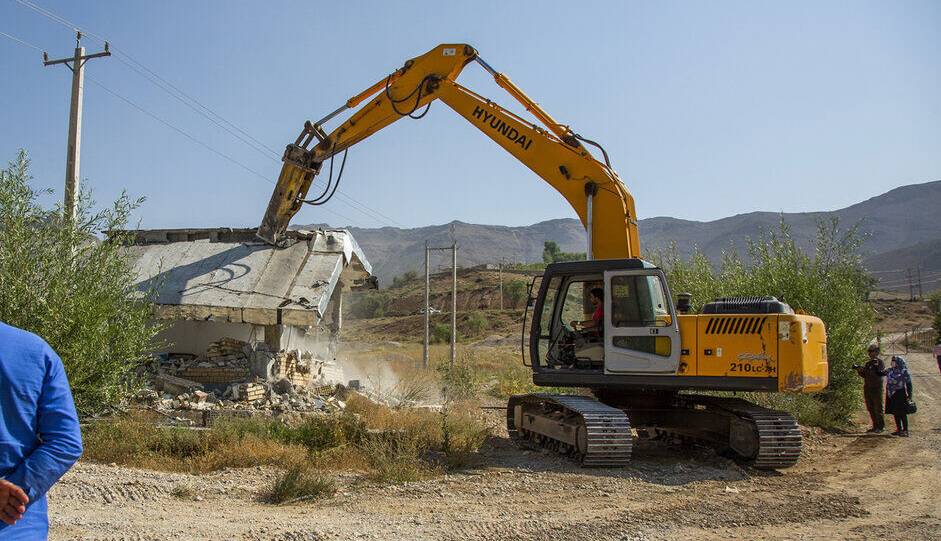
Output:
(249, 327)
(210, 284)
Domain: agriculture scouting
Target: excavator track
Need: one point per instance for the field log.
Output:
(597, 434)
(778, 436)
(762, 438)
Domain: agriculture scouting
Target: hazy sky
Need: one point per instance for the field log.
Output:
(707, 109)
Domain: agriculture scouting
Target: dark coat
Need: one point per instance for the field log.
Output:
(873, 374)
(897, 404)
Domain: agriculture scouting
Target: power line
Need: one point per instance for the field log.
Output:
(180, 130)
(906, 280)
(196, 140)
(173, 127)
(21, 42)
(155, 79)
(885, 271)
(198, 107)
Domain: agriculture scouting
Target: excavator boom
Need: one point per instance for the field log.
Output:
(551, 150)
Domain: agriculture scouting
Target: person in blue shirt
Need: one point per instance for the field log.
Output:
(39, 432)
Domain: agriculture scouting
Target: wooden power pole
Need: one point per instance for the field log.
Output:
(428, 250)
(77, 64)
(453, 302)
(425, 361)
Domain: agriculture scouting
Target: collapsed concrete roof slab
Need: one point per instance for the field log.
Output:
(230, 275)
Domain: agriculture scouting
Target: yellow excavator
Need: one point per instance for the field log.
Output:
(641, 354)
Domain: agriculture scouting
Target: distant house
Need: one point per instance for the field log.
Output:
(225, 283)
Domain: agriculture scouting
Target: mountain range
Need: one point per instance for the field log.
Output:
(902, 229)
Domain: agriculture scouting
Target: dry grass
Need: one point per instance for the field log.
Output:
(299, 483)
(182, 492)
(386, 444)
(141, 444)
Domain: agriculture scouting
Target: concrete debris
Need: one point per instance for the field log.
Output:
(174, 385)
(237, 376)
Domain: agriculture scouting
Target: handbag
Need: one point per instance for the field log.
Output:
(911, 407)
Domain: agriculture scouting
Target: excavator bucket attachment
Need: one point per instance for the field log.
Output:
(297, 174)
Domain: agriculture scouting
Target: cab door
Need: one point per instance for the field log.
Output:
(641, 330)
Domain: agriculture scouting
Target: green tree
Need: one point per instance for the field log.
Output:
(405, 278)
(829, 283)
(74, 290)
(476, 323)
(514, 292)
(441, 333)
(934, 304)
(551, 253)
(369, 304)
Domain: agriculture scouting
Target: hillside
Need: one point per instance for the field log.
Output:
(394, 314)
(895, 221)
(393, 251)
(899, 218)
(479, 316)
(891, 267)
(478, 289)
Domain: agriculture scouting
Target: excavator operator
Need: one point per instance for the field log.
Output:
(593, 328)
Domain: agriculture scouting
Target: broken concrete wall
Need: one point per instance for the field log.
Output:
(195, 336)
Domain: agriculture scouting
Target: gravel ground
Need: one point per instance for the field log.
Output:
(848, 486)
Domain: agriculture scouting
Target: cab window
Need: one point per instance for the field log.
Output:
(545, 317)
(638, 301)
(573, 308)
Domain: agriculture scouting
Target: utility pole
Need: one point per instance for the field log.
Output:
(500, 270)
(425, 362)
(453, 302)
(921, 293)
(73, 153)
(428, 250)
(911, 285)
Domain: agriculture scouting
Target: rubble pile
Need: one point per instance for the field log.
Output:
(237, 375)
(226, 350)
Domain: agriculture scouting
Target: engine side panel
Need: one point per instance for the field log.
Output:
(802, 350)
(738, 346)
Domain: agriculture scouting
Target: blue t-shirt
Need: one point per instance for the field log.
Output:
(39, 431)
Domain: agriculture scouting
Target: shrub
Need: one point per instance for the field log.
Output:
(461, 381)
(182, 492)
(396, 456)
(408, 276)
(441, 333)
(299, 483)
(369, 304)
(476, 323)
(73, 290)
(514, 293)
(389, 445)
(830, 283)
(934, 304)
(412, 389)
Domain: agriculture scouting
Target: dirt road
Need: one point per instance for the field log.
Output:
(845, 487)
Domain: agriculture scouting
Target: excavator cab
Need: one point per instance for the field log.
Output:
(638, 332)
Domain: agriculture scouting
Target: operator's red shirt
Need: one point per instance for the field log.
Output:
(598, 316)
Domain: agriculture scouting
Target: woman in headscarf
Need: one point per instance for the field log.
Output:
(898, 391)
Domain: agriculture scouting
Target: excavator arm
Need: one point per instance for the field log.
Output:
(553, 151)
